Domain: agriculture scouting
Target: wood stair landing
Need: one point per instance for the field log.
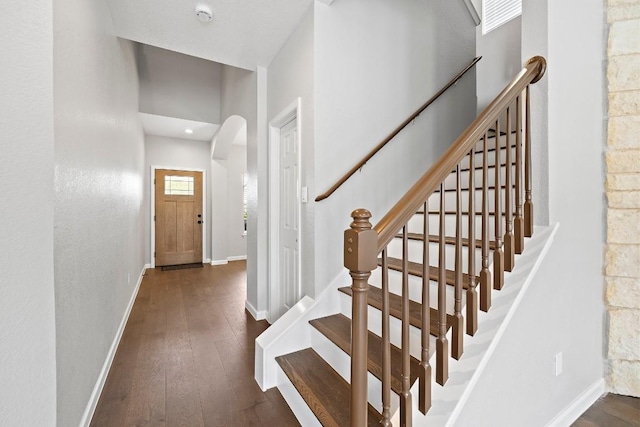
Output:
(337, 328)
(326, 393)
(395, 309)
(415, 269)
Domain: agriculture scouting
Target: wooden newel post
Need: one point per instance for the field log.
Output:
(360, 251)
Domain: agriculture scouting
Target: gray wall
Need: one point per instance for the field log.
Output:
(98, 217)
(290, 75)
(236, 166)
(27, 319)
(376, 62)
(177, 85)
(500, 51)
(563, 311)
(176, 153)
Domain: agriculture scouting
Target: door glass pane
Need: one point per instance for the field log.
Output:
(178, 185)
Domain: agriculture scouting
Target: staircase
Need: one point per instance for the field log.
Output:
(440, 253)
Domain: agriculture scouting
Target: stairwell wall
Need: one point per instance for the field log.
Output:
(27, 304)
(98, 216)
(376, 62)
(562, 311)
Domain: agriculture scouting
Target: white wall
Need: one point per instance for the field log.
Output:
(177, 153)
(290, 76)
(376, 62)
(176, 85)
(98, 216)
(27, 319)
(236, 167)
(500, 51)
(563, 311)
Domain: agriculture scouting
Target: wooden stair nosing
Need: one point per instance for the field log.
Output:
(434, 238)
(374, 299)
(337, 328)
(415, 269)
(326, 393)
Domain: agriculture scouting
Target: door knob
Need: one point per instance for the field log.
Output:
(199, 222)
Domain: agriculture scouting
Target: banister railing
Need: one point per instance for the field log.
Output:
(396, 131)
(363, 243)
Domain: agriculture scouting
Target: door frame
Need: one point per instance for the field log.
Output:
(274, 296)
(153, 209)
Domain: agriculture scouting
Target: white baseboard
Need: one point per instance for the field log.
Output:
(258, 315)
(219, 262)
(572, 412)
(237, 258)
(97, 389)
(207, 261)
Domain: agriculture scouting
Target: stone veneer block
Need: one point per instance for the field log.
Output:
(624, 377)
(623, 226)
(624, 199)
(623, 37)
(624, 103)
(623, 72)
(623, 12)
(623, 161)
(622, 260)
(623, 292)
(611, 3)
(624, 334)
(623, 182)
(624, 131)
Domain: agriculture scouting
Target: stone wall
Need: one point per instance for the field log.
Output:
(622, 257)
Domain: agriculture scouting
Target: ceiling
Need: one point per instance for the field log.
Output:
(243, 33)
(175, 128)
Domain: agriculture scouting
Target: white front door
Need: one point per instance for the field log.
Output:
(289, 228)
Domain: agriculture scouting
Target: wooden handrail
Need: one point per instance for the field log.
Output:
(402, 211)
(395, 132)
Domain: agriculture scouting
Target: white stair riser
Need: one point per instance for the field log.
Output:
(415, 225)
(450, 200)
(464, 164)
(450, 182)
(415, 247)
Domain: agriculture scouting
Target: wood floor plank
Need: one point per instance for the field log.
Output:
(611, 410)
(169, 368)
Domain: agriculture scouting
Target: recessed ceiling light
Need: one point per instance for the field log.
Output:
(189, 131)
(204, 13)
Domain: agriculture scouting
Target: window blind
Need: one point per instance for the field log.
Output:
(497, 12)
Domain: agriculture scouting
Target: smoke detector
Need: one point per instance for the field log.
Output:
(204, 13)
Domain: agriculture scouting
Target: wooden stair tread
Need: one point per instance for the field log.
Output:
(479, 167)
(337, 328)
(374, 299)
(433, 238)
(326, 393)
(415, 269)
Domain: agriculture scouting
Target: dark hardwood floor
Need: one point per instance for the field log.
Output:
(187, 354)
(611, 410)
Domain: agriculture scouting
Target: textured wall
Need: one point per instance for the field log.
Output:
(623, 194)
(99, 164)
(27, 320)
(375, 63)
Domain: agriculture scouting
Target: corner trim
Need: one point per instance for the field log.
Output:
(97, 389)
(237, 258)
(581, 403)
(257, 315)
(219, 262)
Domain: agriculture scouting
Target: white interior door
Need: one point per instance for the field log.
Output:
(289, 228)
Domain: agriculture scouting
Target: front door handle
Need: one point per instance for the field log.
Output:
(199, 222)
